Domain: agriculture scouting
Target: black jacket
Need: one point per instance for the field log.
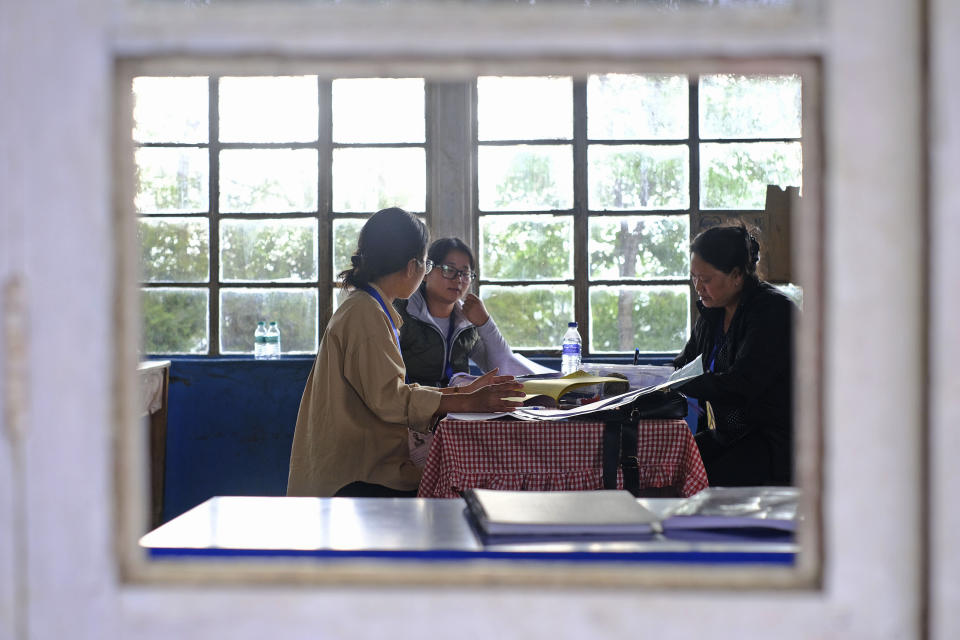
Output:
(750, 389)
(424, 351)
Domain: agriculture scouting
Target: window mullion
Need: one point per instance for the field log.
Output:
(693, 119)
(325, 205)
(213, 111)
(580, 213)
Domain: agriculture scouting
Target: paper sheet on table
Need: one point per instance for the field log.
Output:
(690, 371)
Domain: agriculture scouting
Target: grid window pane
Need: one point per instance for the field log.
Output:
(170, 110)
(649, 318)
(172, 180)
(175, 320)
(531, 317)
(625, 107)
(268, 250)
(736, 175)
(174, 249)
(639, 247)
(755, 106)
(268, 180)
(525, 108)
(345, 235)
(378, 110)
(531, 247)
(367, 180)
(525, 178)
(638, 177)
(268, 109)
(294, 311)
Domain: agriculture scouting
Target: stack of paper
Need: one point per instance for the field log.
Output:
(736, 508)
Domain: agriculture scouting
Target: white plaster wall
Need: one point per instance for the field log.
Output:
(945, 326)
(55, 128)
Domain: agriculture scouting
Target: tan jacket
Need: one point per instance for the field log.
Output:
(356, 408)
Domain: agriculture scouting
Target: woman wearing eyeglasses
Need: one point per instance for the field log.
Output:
(351, 437)
(445, 326)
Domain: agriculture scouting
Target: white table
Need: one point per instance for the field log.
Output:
(404, 528)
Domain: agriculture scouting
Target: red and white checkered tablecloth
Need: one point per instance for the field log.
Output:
(554, 456)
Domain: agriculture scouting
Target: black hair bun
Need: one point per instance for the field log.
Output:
(355, 260)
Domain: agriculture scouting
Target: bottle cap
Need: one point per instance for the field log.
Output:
(571, 324)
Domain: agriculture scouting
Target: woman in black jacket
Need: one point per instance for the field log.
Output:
(744, 333)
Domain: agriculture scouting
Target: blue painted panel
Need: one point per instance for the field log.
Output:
(229, 428)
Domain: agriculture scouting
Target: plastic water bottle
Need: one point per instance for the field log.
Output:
(273, 342)
(260, 341)
(570, 351)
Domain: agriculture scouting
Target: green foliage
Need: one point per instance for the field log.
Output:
(174, 321)
(294, 310)
(527, 247)
(268, 251)
(530, 183)
(737, 175)
(639, 247)
(174, 250)
(638, 178)
(170, 180)
(530, 317)
(648, 318)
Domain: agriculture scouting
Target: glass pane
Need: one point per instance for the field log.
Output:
(638, 177)
(624, 107)
(170, 109)
(345, 236)
(294, 311)
(538, 247)
(524, 108)
(268, 109)
(525, 178)
(373, 179)
(378, 110)
(268, 250)
(639, 247)
(175, 320)
(268, 180)
(736, 175)
(172, 180)
(532, 317)
(652, 319)
(734, 106)
(174, 249)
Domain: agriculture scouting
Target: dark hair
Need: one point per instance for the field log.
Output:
(441, 247)
(389, 239)
(727, 248)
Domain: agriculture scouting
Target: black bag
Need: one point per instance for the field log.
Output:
(620, 434)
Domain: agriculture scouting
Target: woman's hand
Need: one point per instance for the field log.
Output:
(474, 310)
(490, 377)
(486, 394)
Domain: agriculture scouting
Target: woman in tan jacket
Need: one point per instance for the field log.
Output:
(351, 432)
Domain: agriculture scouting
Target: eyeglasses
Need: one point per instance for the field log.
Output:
(452, 273)
(427, 266)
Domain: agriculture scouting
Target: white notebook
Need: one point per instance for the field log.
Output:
(558, 513)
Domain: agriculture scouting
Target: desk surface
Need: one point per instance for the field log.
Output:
(429, 529)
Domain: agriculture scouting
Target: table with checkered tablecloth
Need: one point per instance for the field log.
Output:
(555, 456)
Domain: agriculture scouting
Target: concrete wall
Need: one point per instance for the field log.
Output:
(59, 572)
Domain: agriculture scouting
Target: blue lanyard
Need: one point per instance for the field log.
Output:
(383, 305)
(719, 338)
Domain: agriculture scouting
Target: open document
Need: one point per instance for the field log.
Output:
(688, 372)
